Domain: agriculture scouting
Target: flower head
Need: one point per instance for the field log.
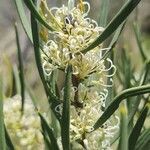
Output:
(76, 31)
(23, 129)
(73, 32)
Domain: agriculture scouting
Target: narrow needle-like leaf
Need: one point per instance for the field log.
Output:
(137, 128)
(118, 99)
(114, 24)
(23, 18)
(114, 40)
(46, 128)
(36, 44)
(136, 103)
(65, 124)
(123, 143)
(139, 42)
(36, 14)
(143, 140)
(21, 72)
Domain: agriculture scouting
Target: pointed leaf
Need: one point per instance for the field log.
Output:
(21, 72)
(36, 44)
(48, 145)
(143, 140)
(118, 99)
(138, 40)
(142, 81)
(52, 98)
(36, 14)
(47, 129)
(137, 128)
(114, 24)
(23, 18)
(123, 142)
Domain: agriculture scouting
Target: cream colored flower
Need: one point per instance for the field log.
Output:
(24, 130)
(76, 33)
(73, 32)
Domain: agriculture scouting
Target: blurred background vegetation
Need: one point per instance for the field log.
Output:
(127, 44)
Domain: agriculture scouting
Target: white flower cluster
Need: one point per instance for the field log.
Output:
(76, 33)
(73, 32)
(84, 117)
(24, 130)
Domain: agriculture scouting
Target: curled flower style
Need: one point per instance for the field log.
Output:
(24, 129)
(73, 32)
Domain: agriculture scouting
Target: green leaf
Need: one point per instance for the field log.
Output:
(36, 44)
(114, 24)
(137, 101)
(47, 129)
(104, 9)
(36, 14)
(118, 99)
(114, 40)
(123, 142)
(9, 143)
(20, 67)
(117, 34)
(65, 124)
(138, 40)
(23, 18)
(47, 145)
(52, 84)
(143, 140)
(2, 129)
(52, 98)
(111, 46)
(137, 128)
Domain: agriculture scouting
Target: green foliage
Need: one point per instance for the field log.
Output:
(30, 4)
(20, 67)
(114, 24)
(23, 18)
(132, 135)
(143, 140)
(137, 128)
(123, 143)
(118, 99)
(49, 132)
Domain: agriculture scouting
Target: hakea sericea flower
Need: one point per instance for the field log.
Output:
(73, 32)
(24, 130)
